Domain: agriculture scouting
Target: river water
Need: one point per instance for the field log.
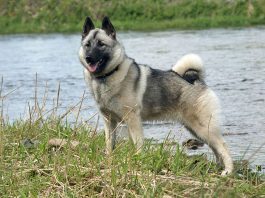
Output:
(234, 61)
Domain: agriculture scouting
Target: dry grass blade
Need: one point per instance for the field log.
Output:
(79, 109)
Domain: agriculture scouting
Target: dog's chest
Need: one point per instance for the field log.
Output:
(104, 95)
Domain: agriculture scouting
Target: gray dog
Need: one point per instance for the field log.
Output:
(129, 93)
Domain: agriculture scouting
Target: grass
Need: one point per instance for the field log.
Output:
(28, 16)
(162, 169)
(31, 167)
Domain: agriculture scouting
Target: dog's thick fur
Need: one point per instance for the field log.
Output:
(127, 92)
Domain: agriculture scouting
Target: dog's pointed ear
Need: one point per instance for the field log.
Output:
(108, 27)
(88, 26)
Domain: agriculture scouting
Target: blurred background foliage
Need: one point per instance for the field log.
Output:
(68, 15)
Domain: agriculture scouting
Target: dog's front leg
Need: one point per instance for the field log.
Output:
(110, 133)
(134, 124)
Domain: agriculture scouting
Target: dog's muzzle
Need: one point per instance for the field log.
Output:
(89, 59)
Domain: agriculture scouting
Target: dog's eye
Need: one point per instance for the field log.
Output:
(100, 43)
(88, 44)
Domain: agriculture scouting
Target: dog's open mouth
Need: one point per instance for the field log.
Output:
(93, 67)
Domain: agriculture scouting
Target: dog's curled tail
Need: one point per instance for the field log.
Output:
(190, 67)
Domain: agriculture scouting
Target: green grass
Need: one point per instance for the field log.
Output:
(161, 169)
(28, 16)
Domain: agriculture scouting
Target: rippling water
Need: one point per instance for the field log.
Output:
(234, 61)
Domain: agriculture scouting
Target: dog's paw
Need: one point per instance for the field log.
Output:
(226, 172)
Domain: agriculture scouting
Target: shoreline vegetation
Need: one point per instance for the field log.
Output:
(29, 16)
(47, 155)
(35, 163)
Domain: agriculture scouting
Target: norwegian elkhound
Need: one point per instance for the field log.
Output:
(129, 93)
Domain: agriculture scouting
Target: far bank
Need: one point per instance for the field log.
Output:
(25, 16)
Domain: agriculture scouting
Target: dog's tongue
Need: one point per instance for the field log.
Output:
(92, 67)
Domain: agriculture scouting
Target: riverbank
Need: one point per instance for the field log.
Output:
(26, 16)
(48, 155)
(33, 164)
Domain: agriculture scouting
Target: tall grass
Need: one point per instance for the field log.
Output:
(30, 166)
(68, 16)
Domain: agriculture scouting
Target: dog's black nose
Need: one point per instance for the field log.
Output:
(89, 59)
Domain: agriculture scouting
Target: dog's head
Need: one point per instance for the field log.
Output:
(100, 52)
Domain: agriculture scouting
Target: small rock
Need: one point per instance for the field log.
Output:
(56, 142)
(28, 143)
(192, 144)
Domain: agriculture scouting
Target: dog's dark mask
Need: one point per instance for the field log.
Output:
(97, 54)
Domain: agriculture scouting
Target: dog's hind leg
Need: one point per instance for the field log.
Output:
(204, 124)
(213, 138)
